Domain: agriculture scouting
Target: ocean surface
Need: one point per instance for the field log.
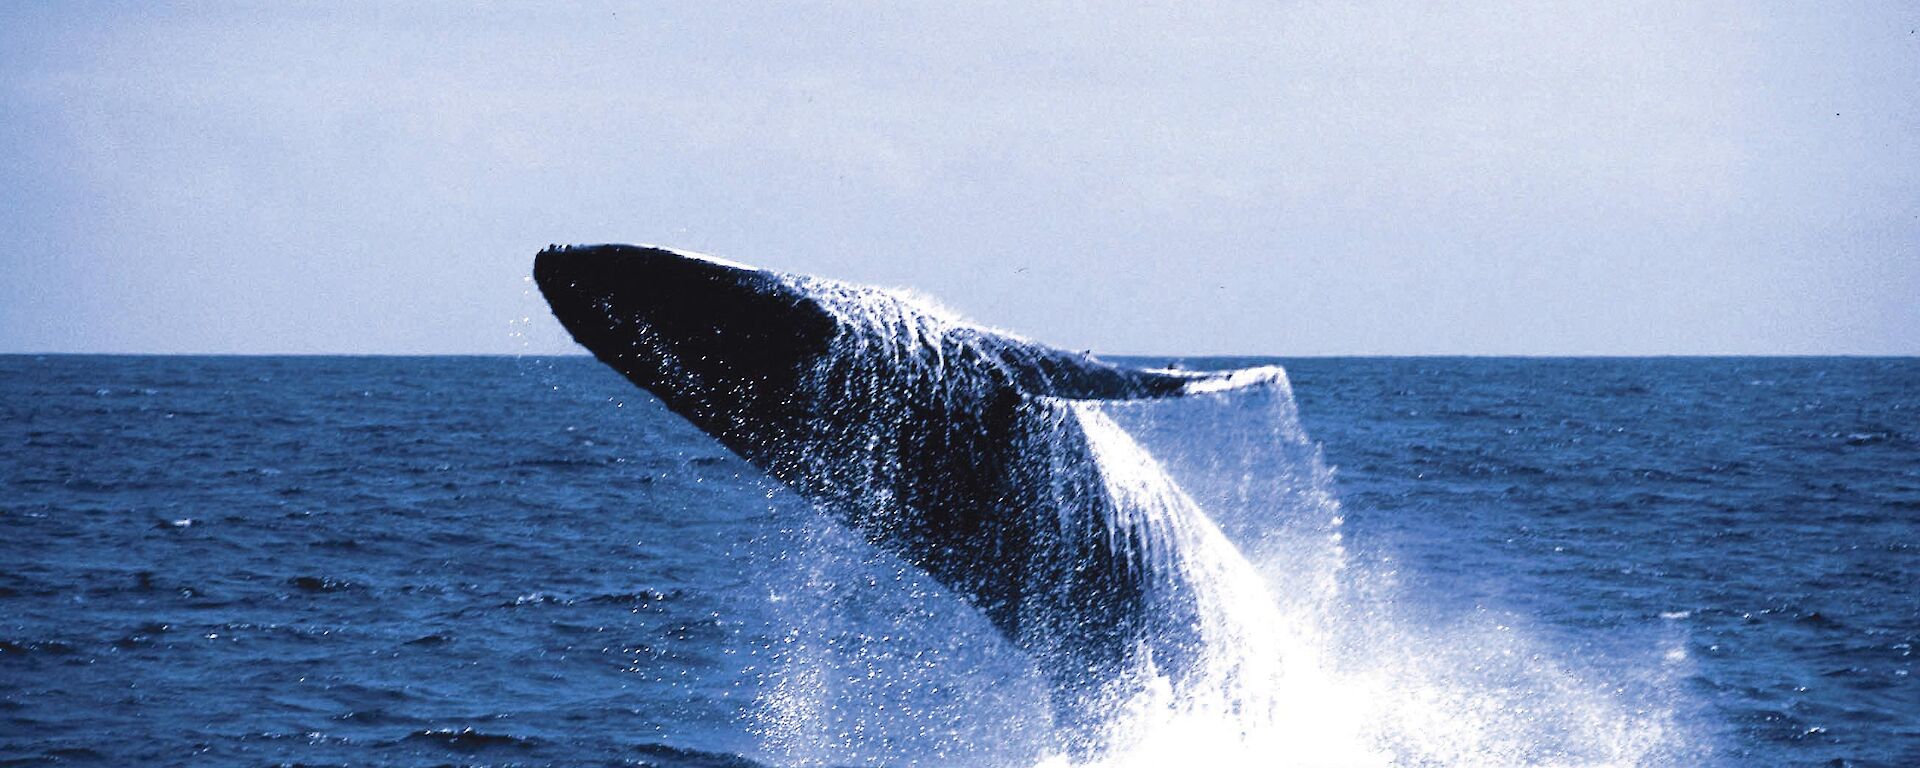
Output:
(526, 561)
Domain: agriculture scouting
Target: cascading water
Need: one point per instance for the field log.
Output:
(1359, 680)
(1261, 642)
(1240, 697)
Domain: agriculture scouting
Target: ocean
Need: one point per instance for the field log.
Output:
(527, 561)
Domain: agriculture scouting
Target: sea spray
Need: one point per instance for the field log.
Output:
(1255, 640)
(1258, 686)
(1305, 659)
(870, 662)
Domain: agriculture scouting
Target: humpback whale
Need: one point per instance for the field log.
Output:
(960, 449)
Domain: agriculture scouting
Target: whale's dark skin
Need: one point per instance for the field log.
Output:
(950, 449)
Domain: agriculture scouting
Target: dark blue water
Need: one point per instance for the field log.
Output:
(248, 561)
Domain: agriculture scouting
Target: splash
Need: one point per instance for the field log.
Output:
(1263, 643)
(1303, 659)
(1259, 689)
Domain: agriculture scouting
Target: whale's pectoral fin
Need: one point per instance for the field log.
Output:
(1205, 382)
(1047, 372)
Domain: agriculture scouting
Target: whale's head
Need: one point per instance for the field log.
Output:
(716, 341)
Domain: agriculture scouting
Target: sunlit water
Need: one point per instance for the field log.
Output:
(501, 561)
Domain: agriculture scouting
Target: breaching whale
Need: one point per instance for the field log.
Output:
(952, 446)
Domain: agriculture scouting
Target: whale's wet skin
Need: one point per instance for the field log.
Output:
(1011, 475)
(980, 458)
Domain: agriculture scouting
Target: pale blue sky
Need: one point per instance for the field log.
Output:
(1182, 178)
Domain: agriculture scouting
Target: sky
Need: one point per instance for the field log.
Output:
(1271, 178)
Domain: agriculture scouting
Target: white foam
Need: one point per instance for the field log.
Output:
(1306, 662)
(1263, 688)
(1302, 658)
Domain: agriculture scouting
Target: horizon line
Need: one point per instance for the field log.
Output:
(1104, 355)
